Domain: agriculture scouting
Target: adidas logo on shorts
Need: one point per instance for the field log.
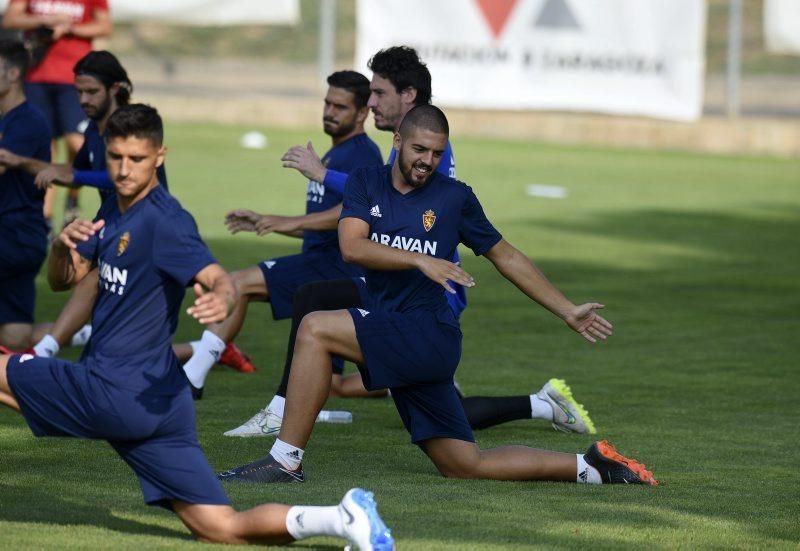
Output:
(364, 313)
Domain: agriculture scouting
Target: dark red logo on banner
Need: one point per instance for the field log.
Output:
(495, 13)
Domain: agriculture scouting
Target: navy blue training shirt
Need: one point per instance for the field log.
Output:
(431, 220)
(345, 157)
(146, 257)
(24, 131)
(89, 166)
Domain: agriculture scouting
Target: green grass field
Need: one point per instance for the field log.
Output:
(696, 259)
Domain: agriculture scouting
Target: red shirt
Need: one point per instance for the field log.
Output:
(64, 53)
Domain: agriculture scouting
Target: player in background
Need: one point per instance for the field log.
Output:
(23, 231)
(406, 338)
(277, 279)
(128, 388)
(60, 34)
(102, 85)
(400, 82)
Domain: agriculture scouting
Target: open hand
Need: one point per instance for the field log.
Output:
(591, 326)
(305, 160)
(53, 174)
(441, 271)
(78, 231)
(208, 307)
(241, 220)
(270, 223)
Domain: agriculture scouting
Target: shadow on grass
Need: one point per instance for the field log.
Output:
(29, 504)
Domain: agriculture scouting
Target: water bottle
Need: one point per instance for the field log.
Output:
(328, 416)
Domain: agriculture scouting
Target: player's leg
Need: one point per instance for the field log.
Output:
(355, 519)
(461, 459)
(320, 336)
(250, 285)
(553, 402)
(352, 386)
(16, 336)
(6, 396)
(311, 297)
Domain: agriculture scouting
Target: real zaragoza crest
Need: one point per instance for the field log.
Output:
(428, 220)
(124, 240)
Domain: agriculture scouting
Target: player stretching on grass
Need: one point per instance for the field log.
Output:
(23, 231)
(127, 388)
(102, 86)
(400, 81)
(277, 279)
(406, 338)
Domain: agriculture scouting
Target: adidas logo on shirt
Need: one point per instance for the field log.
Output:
(269, 264)
(364, 313)
(375, 211)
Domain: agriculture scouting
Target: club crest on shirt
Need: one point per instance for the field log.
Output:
(428, 220)
(124, 241)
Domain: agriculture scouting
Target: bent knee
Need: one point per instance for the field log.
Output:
(457, 469)
(249, 283)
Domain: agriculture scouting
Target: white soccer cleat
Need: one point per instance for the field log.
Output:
(363, 526)
(263, 423)
(568, 414)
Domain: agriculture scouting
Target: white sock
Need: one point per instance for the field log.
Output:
(541, 409)
(586, 473)
(305, 522)
(286, 454)
(206, 354)
(82, 336)
(47, 347)
(277, 404)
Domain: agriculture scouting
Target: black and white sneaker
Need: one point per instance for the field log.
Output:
(265, 470)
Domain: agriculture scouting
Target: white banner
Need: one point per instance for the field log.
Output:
(782, 26)
(616, 56)
(204, 12)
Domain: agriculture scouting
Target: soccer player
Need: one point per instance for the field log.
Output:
(401, 81)
(277, 279)
(127, 388)
(61, 33)
(102, 85)
(406, 338)
(23, 231)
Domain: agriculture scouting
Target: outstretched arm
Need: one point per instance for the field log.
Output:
(66, 266)
(9, 159)
(520, 271)
(358, 248)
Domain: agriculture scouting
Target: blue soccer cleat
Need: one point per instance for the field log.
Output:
(364, 528)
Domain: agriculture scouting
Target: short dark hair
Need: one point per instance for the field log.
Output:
(105, 67)
(138, 120)
(354, 82)
(425, 116)
(401, 66)
(15, 55)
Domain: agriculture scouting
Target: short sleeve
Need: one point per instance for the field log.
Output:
(356, 200)
(178, 250)
(475, 231)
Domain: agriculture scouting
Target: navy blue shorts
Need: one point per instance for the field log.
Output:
(154, 435)
(60, 105)
(415, 355)
(19, 266)
(285, 274)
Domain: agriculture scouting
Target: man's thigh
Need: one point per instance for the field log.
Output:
(336, 330)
